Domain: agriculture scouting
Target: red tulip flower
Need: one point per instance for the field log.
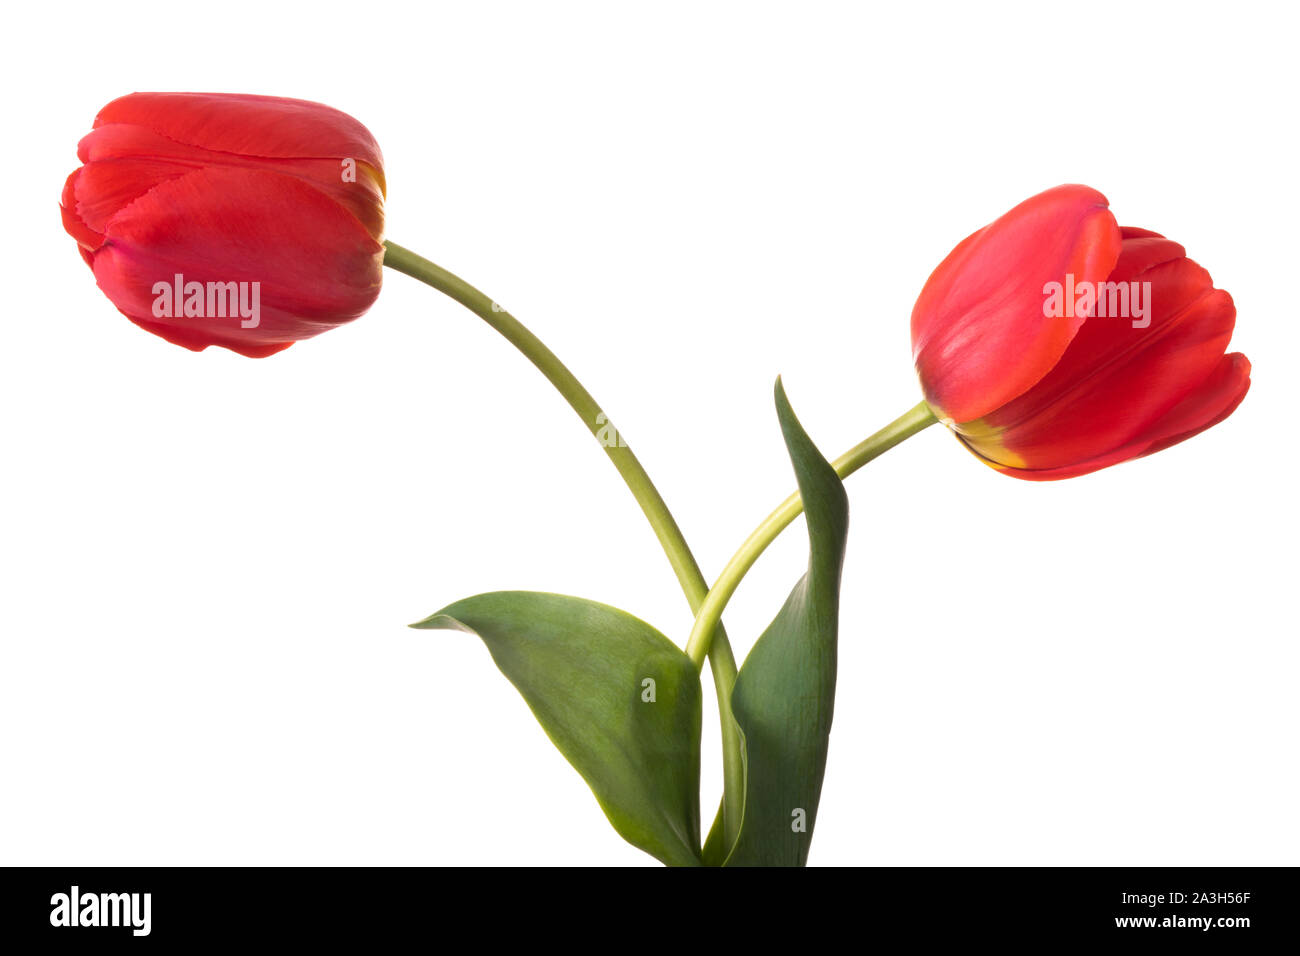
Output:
(248, 222)
(1055, 342)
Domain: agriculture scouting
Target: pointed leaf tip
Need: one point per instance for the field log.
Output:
(439, 620)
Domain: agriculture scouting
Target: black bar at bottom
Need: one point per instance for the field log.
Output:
(168, 906)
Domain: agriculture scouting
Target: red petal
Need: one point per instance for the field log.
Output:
(316, 265)
(196, 340)
(118, 143)
(105, 187)
(979, 334)
(1133, 232)
(1210, 403)
(1216, 399)
(87, 239)
(1115, 380)
(268, 126)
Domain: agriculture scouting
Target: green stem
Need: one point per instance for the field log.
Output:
(704, 633)
(721, 659)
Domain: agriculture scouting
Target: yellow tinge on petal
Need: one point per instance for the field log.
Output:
(985, 441)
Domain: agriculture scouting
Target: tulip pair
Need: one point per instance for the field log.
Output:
(288, 194)
(1053, 342)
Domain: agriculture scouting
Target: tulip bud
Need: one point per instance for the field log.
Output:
(1054, 342)
(248, 222)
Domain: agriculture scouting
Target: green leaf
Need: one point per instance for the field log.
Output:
(620, 701)
(714, 851)
(785, 693)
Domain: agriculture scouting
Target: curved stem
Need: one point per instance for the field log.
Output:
(703, 634)
(721, 659)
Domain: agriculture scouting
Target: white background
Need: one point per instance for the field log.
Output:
(208, 562)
